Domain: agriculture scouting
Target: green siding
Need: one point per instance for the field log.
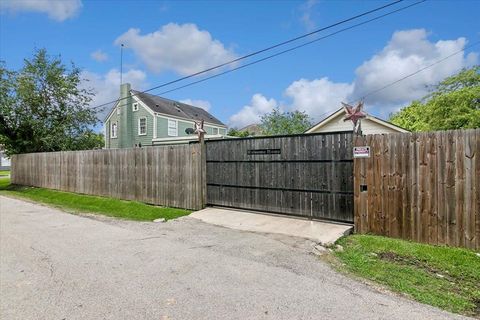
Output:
(136, 138)
(162, 127)
(182, 125)
(209, 130)
(112, 142)
(127, 122)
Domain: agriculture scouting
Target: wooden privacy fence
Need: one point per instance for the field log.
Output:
(164, 175)
(420, 186)
(303, 175)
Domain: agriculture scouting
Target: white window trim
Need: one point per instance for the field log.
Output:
(116, 130)
(118, 110)
(139, 133)
(155, 127)
(135, 107)
(176, 128)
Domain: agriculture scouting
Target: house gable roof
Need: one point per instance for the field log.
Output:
(175, 108)
(340, 112)
(110, 113)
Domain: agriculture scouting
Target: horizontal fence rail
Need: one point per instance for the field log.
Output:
(302, 175)
(420, 186)
(164, 175)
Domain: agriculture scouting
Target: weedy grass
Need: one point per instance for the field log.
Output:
(75, 203)
(444, 277)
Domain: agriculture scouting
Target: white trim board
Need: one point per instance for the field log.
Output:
(187, 138)
(111, 112)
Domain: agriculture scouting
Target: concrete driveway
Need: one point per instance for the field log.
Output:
(320, 232)
(56, 265)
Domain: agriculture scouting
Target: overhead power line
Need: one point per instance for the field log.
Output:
(416, 72)
(292, 48)
(266, 49)
(408, 75)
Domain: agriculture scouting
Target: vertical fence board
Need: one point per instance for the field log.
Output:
(425, 185)
(469, 208)
(163, 175)
(477, 189)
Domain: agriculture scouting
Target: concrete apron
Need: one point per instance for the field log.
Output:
(324, 233)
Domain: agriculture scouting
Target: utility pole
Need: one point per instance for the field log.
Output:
(121, 64)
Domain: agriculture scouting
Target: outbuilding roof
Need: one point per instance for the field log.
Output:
(340, 112)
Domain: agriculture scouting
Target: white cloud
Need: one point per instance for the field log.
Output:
(306, 18)
(315, 97)
(99, 56)
(180, 48)
(253, 112)
(107, 86)
(406, 52)
(56, 9)
(205, 105)
(318, 96)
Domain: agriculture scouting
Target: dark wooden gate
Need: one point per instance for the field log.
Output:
(303, 175)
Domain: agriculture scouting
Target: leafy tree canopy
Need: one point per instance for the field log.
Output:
(44, 108)
(454, 104)
(278, 123)
(239, 133)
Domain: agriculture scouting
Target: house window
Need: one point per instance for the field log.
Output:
(142, 126)
(118, 110)
(215, 131)
(135, 107)
(172, 128)
(113, 130)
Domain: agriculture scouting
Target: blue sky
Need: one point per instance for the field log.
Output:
(165, 40)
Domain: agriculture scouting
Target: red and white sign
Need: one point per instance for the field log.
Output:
(361, 152)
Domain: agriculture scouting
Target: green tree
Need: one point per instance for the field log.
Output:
(278, 123)
(238, 133)
(44, 108)
(454, 104)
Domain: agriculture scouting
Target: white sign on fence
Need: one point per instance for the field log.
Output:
(361, 152)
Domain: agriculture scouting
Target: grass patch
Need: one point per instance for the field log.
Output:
(74, 203)
(443, 277)
(4, 173)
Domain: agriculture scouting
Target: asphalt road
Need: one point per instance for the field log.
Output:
(56, 265)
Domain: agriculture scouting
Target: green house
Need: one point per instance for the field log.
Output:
(141, 119)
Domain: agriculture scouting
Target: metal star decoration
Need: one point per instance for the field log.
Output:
(199, 128)
(354, 114)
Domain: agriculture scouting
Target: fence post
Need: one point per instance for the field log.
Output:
(203, 170)
(359, 196)
(13, 162)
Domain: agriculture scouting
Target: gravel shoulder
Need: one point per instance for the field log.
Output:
(55, 265)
